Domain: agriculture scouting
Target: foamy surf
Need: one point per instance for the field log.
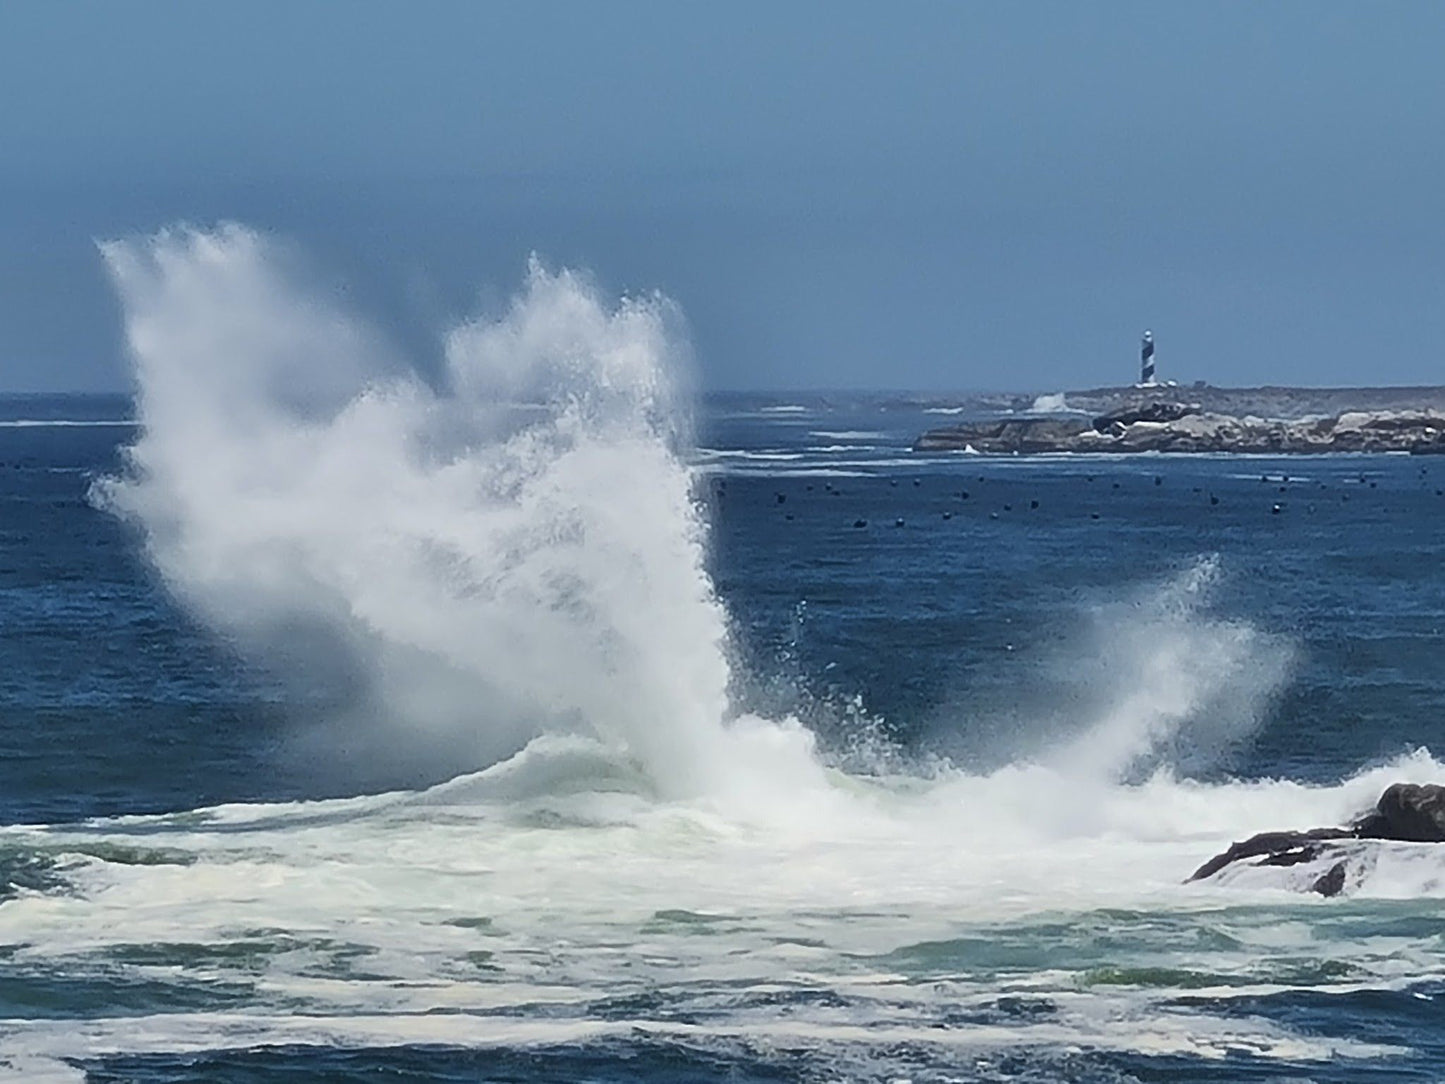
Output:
(493, 910)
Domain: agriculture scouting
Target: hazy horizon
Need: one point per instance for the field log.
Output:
(987, 196)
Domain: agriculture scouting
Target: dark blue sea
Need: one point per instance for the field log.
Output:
(562, 730)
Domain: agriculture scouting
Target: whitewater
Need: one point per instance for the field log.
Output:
(504, 560)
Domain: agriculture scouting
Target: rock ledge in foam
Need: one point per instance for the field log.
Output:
(1334, 857)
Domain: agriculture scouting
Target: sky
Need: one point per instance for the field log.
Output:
(930, 196)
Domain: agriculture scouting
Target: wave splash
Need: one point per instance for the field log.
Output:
(515, 554)
(512, 557)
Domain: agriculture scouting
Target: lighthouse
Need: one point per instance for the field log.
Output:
(1146, 359)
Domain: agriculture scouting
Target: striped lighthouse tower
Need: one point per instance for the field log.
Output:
(1146, 358)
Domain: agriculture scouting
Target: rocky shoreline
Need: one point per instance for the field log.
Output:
(1164, 423)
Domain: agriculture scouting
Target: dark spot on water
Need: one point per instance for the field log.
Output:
(469, 922)
(81, 992)
(1167, 977)
(1026, 1007)
(687, 918)
(481, 959)
(1332, 882)
(27, 871)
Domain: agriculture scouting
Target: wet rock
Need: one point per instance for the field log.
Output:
(1273, 849)
(1332, 882)
(1405, 813)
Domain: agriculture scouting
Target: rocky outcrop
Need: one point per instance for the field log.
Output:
(1292, 403)
(1406, 812)
(1175, 427)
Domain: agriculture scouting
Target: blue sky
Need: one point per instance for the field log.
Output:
(932, 196)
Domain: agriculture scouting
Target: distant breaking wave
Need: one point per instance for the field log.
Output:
(1050, 404)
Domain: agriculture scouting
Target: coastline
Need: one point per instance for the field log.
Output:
(1201, 419)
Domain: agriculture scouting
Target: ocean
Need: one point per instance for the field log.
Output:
(529, 719)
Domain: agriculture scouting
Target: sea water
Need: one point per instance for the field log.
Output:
(510, 715)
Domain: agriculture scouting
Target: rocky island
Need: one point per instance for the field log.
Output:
(1169, 419)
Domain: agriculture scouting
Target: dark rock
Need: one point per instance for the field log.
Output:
(1277, 849)
(1331, 882)
(1406, 812)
